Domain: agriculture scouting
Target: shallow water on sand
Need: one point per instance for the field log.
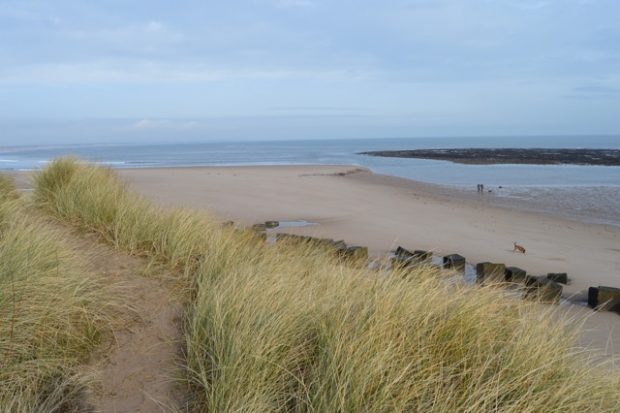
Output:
(300, 223)
(596, 204)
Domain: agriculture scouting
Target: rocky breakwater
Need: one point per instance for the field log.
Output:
(491, 156)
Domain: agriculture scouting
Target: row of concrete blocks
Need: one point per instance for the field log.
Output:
(352, 253)
(348, 252)
(545, 288)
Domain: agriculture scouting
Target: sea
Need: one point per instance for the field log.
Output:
(585, 193)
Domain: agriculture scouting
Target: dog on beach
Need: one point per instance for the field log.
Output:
(518, 248)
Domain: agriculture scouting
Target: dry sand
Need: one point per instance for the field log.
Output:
(383, 212)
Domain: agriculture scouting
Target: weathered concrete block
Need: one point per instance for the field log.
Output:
(291, 238)
(272, 224)
(406, 258)
(604, 298)
(422, 256)
(515, 274)
(593, 297)
(324, 243)
(259, 227)
(558, 277)
(542, 289)
(418, 255)
(402, 251)
(531, 279)
(489, 271)
(308, 240)
(609, 298)
(454, 261)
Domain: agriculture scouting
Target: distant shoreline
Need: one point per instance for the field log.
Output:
(493, 156)
(571, 203)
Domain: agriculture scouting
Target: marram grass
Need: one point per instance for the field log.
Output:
(290, 329)
(52, 313)
(7, 188)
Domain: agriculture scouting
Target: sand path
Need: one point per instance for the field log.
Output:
(136, 370)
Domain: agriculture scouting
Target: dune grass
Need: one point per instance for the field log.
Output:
(52, 313)
(290, 328)
(94, 200)
(7, 188)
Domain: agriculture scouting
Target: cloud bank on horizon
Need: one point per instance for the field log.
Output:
(275, 69)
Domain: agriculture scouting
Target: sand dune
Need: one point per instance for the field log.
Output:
(383, 212)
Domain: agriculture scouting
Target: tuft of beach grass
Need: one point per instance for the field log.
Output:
(7, 188)
(52, 312)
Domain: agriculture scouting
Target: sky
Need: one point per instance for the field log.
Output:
(155, 71)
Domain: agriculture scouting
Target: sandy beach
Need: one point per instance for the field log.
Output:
(382, 212)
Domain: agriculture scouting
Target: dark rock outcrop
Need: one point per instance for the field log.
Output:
(490, 156)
